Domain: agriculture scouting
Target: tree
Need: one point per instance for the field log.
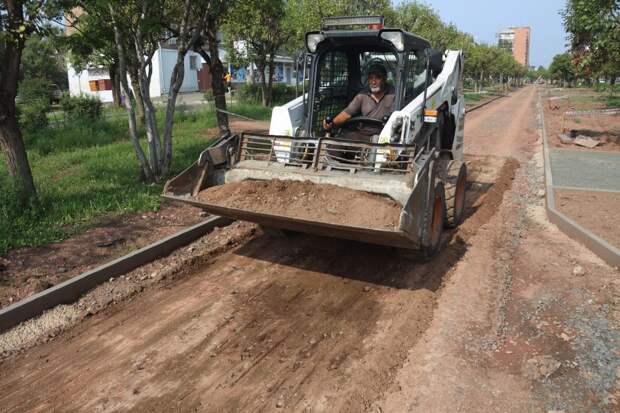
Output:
(260, 26)
(593, 28)
(44, 58)
(18, 21)
(212, 57)
(136, 29)
(561, 69)
(91, 43)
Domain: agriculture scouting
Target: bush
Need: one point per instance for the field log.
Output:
(33, 103)
(82, 107)
(251, 93)
(33, 113)
(209, 96)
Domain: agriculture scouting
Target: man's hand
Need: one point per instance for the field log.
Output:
(328, 123)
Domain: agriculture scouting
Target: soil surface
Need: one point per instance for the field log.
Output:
(26, 271)
(594, 210)
(309, 201)
(512, 316)
(605, 129)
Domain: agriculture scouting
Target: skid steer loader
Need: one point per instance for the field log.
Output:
(415, 156)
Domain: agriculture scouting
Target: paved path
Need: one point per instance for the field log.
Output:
(585, 170)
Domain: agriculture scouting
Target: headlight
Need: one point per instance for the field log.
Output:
(396, 38)
(312, 41)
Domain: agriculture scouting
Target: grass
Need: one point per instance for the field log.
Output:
(87, 170)
(611, 102)
(472, 97)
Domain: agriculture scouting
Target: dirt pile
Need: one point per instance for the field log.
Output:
(306, 200)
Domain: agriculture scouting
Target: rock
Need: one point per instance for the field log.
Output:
(541, 193)
(203, 213)
(540, 367)
(367, 289)
(578, 271)
(565, 139)
(62, 269)
(139, 365)
(280, 402)
(110, 243)
(153, 274)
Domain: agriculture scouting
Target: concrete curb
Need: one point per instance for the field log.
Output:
(596, 244)
(69, 291)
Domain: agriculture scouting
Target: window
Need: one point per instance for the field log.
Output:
(333, 86)
(192, 62)
(100, 85)
(415, 76)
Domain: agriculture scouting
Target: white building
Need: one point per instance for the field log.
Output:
(96, 81)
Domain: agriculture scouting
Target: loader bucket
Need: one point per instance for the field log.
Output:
(267, 157)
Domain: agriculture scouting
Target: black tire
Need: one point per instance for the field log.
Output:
(454, 177)
(436, 217)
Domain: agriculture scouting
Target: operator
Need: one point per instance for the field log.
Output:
(377, 102)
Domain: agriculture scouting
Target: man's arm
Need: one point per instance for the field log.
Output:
(354, 107)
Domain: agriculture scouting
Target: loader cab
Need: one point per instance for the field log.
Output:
(340, 57)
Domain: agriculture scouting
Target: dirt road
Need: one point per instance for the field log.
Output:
(498, 322)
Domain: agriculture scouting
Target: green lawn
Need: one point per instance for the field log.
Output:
(86, 170)
(473, 97)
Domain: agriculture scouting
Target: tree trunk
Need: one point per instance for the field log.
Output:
(130, 101)
(217, 76)
(135, 85)
(17, 164)
(116, 86)
(11, 141)
(270, 81)
(263, 82)
(150, 124)
(176, 80)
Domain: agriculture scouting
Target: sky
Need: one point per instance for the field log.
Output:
(485, 18)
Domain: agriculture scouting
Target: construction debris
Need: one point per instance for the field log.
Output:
(586, 141)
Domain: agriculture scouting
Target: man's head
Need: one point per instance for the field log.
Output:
(377, 77)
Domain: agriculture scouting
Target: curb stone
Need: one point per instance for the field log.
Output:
(596, 244)
(72, 289)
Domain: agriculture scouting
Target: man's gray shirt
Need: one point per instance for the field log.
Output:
(364, 103)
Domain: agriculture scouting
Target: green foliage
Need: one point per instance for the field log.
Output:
(424, 21)
(33, 113)
(35, 88)
(561, 68)
(82, 107)
(86, 170)
(612, 102)
(209, 97)
(34, 103)
(43, 58)
(263, 27)
(251, 93)
(594, 34)
(305, 15)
